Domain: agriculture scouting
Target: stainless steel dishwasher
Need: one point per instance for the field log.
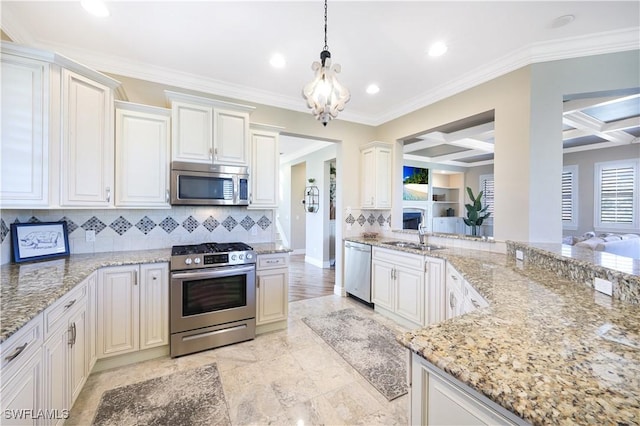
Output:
(357, 270)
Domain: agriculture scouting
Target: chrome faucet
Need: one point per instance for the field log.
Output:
(422, 230)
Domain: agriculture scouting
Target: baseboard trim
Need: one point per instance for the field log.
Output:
(130, 358)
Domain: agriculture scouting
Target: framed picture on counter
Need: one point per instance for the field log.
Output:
(39, 240)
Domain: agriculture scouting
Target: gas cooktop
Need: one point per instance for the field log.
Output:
(209, 255)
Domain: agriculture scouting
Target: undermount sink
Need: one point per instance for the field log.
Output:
(414, 246)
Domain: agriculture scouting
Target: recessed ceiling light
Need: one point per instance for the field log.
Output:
(277, 61)
(95, 7)
(437, 49)
(372, 89)
(562, 21)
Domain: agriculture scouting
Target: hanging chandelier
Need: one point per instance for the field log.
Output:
(325, 95)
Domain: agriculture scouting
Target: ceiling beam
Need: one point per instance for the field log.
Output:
(580, 104)
(588, 123)
(474, 144)
(481, 131)
(428, 141)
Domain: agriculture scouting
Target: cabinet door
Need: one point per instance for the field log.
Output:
(23, 391)
(368, 179)
(272, 295)
(264, 170)
(192, 132)
(154, 305)
(454, 301)
(142, 158)
(409, 294)
(231, 137)
(56, 370)
(383, 178)
(24, 142)
(435, 291)
(118, 313)
(382, 284)
(78, 353)
(87, 142)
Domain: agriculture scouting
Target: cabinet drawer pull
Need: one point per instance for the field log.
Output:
(258, 282)
(166, 196)
(70, 304)
(452, 300)
(273, 261)
(108, 194)
(17, 351)
(135, 277)
(453, 277)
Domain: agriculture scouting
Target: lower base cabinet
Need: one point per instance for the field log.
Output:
(23, 391)
(272, 288)
(439, 400)
(134, 308)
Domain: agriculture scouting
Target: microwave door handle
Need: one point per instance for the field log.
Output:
(236, 189)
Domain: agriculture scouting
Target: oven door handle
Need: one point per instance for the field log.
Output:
(212, 273)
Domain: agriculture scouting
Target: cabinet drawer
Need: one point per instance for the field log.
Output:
(20, 346)
(54, 315)
(271, 261)
(454, 279)
(473, 297)
(398, 257)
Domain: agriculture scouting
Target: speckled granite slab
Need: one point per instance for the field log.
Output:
(188, 398)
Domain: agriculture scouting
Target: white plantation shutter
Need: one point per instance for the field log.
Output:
(569, 197)
(487, 188)
(617, 194)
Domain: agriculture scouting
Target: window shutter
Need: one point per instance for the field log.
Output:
(567, 196)
(617, 185)
(487, 188)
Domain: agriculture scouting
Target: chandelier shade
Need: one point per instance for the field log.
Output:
(325, 95)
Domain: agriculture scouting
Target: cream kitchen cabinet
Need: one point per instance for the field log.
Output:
(22, 373)
(461, 296)
(24, 176)
(57, 133)
(87, 142)
(205, 130)
(134, 310)
(265, 163)
(142, 156)
(66, 351)
(438, 399)
(376, 164)
(435, 290)
(272, 289)
(398, 284)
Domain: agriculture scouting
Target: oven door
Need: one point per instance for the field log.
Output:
(213, 296)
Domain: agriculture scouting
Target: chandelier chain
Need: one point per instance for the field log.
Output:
(325, 26)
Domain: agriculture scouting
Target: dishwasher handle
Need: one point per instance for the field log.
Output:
(365, 248)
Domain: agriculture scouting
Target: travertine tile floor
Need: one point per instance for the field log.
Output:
(289, 377)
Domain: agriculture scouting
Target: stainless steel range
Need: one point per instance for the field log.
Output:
(212, 296)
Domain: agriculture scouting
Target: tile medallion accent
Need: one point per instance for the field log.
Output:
(3, 230)
(71, 225)
(247, 223)
(381, 220)
(33, 219)
(145, 225)
(361, 219)
(120, 225)
(168, 224)
(350, 219)
(229, 223)
(190, 224)
(94, 224)
(264, 222)
(371, 219)
(210, 223)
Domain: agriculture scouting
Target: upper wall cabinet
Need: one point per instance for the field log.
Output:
(142, 156)
(87, 142)
(57, 133)
(209, 131)
(375, 183)
(263, 173)
(25, 138)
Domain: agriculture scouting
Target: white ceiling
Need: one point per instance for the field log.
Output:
(224, 48)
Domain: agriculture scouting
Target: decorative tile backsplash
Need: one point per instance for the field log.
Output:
(359, 221)
(119, 229)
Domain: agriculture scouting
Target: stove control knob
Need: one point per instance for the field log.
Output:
(233, 257)
(187, 261)
(196, 260)
(249, 256)
(241, 256)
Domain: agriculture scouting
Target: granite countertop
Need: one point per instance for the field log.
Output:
(29, 288)
(551, 350)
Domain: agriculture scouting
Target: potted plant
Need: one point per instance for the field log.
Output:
(476, 214)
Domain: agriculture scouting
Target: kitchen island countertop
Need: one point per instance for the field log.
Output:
(550, 350)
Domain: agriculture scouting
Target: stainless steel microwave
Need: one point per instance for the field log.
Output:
(197, 184)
